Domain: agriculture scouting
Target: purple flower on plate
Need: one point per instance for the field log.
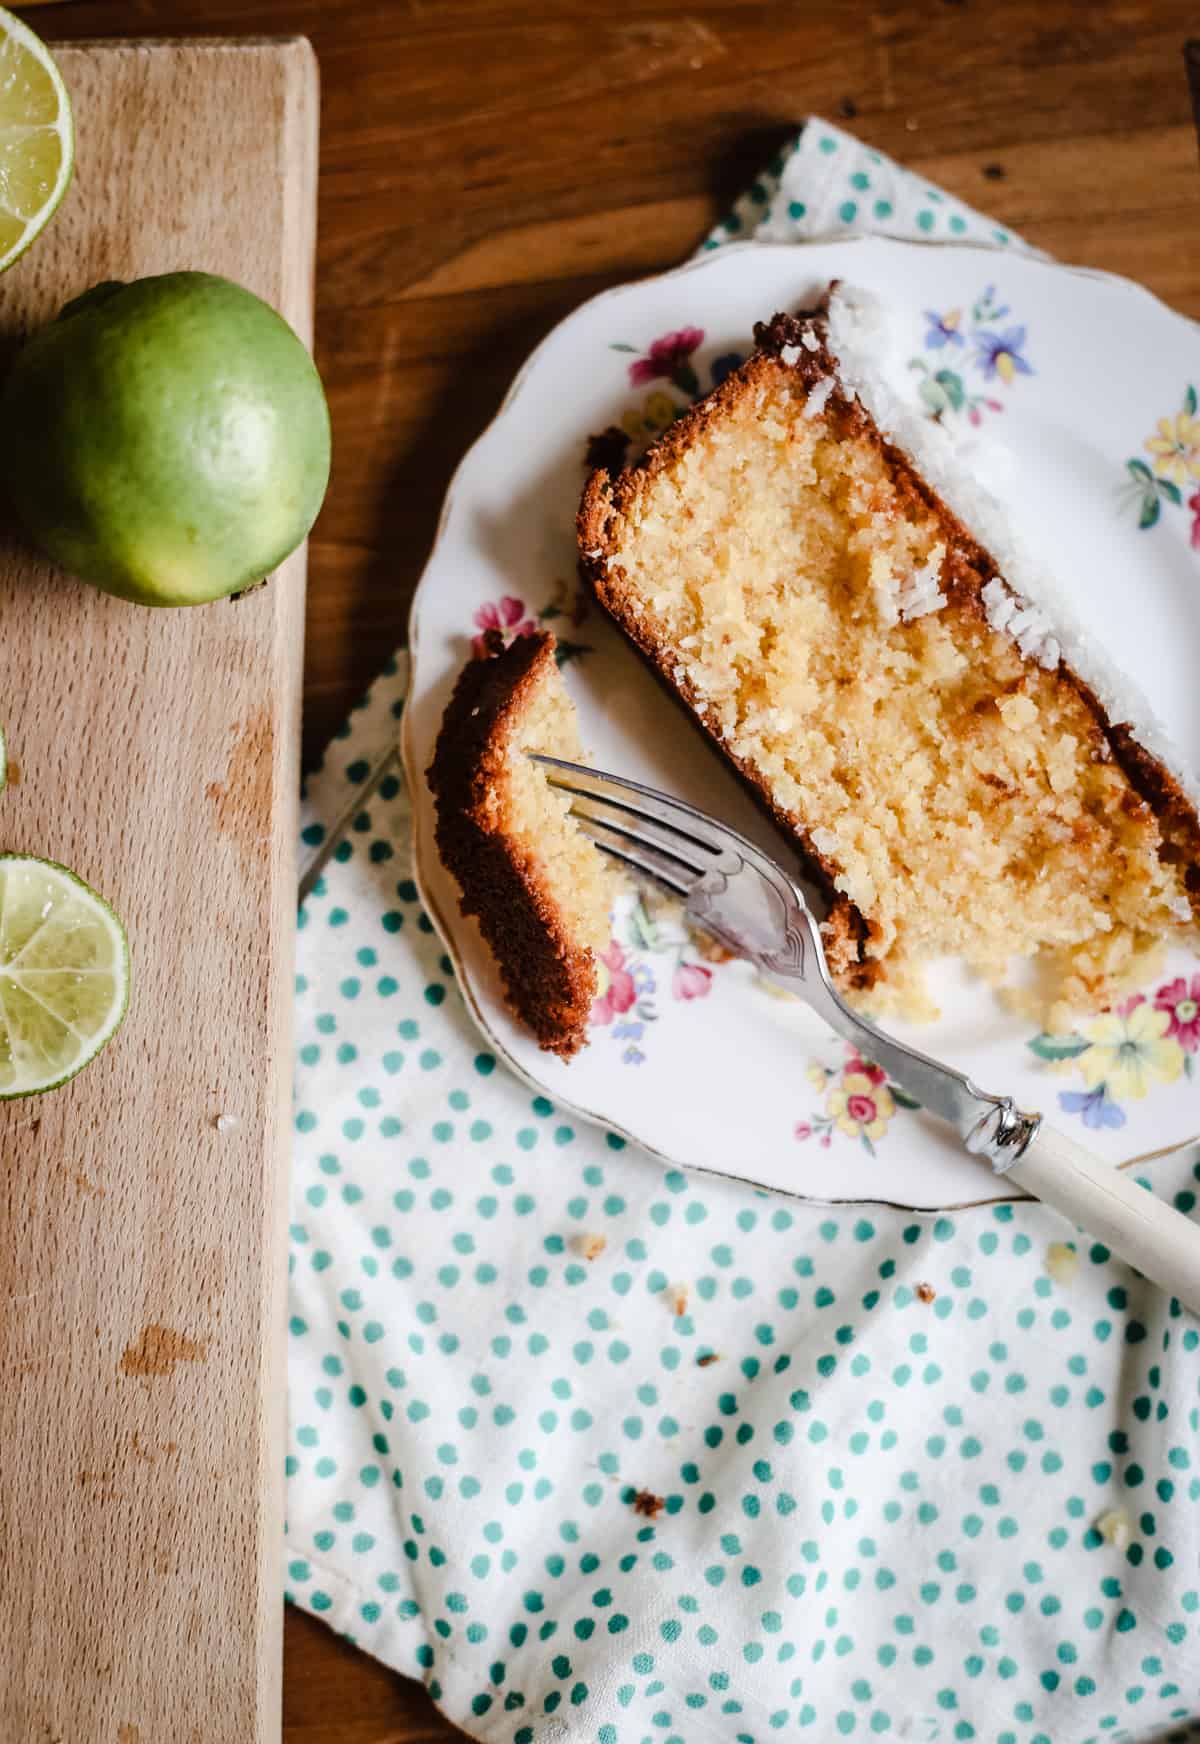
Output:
(1094, 1106)
(999, 354)
(725, 365)
(943, 329)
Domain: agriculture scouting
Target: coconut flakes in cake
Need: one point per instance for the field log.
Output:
(814, 405)
(901, 599)
(1028, 626)
(790, 354)
(923, 592)
(1040, 621)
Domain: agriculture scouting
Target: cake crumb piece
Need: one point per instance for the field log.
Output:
(1062, 1262)
(713, 951)
(709, 1356)
(676, 1296)
(925, 1293)
(591, 1246)
(1017, 712)
(1115, 1528)
(648, 1504)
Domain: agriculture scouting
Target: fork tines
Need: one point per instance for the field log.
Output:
(660, 837)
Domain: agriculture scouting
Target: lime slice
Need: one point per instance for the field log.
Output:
(37, 140)
(64, 975)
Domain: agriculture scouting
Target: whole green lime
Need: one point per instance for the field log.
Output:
(167, 440)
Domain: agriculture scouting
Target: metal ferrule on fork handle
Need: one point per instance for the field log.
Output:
(1002, 1134)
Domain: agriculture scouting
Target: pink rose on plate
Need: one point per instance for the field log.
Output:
(866, 1069)
(691, 981)
(1182, 1002)
(615, 989)
(669, 358)
(506, 615)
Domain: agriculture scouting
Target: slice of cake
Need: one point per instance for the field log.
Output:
(963, 771)
(539, 889)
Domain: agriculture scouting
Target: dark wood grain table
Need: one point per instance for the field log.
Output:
(488, 164)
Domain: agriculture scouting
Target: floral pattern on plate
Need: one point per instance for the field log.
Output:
(1125, 1054)
(1172, 474)
(859, 1102)
(509, 615)
(670, 358)
(971, 338)
(653, 950)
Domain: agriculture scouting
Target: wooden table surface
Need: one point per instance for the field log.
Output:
(488, 164)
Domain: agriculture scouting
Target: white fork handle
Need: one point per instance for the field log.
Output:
(1108, 1203)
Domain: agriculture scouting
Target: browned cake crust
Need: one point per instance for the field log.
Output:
(549, 979)
(966, 571)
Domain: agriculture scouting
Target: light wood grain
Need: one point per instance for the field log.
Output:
(487, 164)
(141, 1276)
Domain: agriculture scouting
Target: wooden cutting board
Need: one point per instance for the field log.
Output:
(141, 1250)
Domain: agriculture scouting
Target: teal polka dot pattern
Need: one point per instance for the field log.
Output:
(826, 183)
(582, 1443)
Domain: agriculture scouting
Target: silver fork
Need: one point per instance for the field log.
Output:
(736, 892)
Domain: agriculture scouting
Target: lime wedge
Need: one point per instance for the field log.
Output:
(37, 141)
(64, 975)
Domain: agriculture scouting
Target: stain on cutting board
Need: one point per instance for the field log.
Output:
(158, 1350)
(245, 793)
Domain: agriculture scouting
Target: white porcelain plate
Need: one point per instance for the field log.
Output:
(1075, 396)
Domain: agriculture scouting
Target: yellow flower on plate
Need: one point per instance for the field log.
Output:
(660, 410)
(859, 1107)
(1176, 448)
(816, 1075)
(1130, 1051)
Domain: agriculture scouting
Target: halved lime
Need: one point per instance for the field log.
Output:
(64, 975)
(37, 140)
